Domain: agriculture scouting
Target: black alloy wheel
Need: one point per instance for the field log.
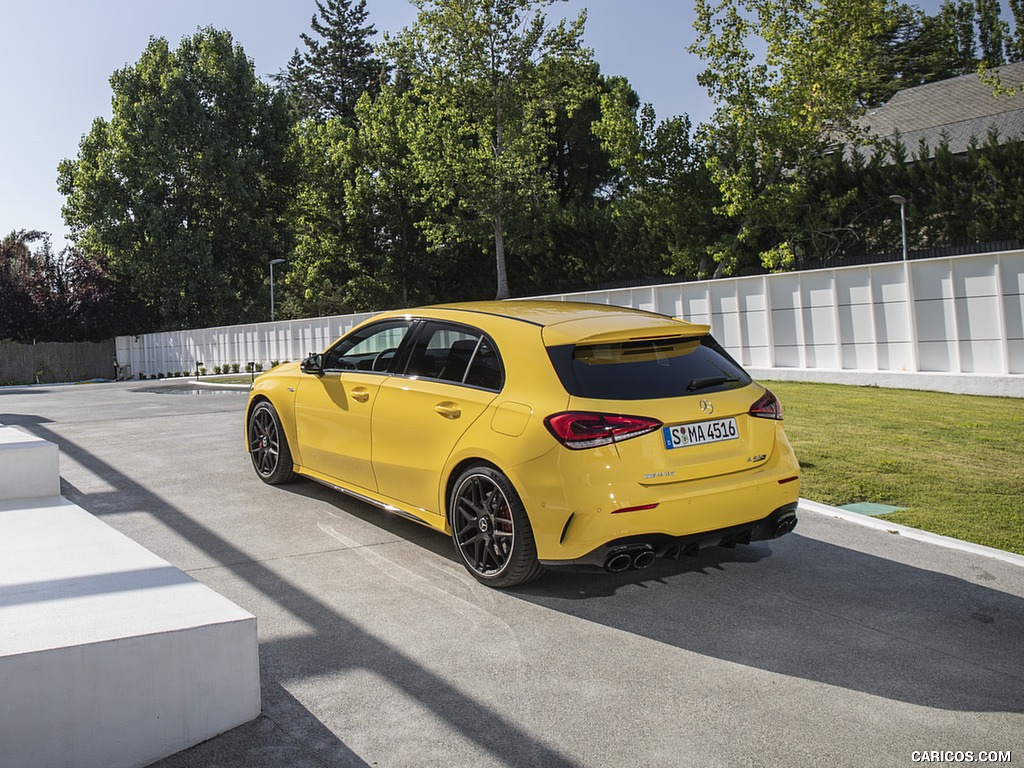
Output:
(490, 529)
(268, 446)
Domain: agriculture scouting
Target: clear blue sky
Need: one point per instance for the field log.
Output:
(57, 57)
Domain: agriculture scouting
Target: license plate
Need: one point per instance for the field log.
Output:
(700, 433)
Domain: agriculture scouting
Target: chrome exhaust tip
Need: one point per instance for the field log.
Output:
(618, 562)
(643, 559)
(637, 556)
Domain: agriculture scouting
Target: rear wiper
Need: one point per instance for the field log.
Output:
(710, 381)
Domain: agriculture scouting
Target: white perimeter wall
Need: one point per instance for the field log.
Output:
(180, 351)
(949, 324)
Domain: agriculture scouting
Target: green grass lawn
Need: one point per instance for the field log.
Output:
(953, 461)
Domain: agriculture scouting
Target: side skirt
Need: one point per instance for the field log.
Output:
(369, 500)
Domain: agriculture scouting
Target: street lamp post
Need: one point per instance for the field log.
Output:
(901, 201)
(272, 263)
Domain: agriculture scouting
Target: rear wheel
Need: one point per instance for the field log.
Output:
(268, 447)
(490, 529)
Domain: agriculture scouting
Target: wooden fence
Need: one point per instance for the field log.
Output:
(50, 362)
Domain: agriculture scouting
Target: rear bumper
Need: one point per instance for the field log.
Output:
(640, 550)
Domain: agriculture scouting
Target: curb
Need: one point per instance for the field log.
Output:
(215, 385)
(913, 533)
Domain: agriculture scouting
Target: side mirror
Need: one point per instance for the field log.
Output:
(314, 365)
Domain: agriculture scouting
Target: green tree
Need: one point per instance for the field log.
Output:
(583, 235)
(356, 214)
(1015, 39)
(337, 66)
(778, 110)
(320, 263)
(184, 189)
(666, 200)
(992, 32)
(918, 49)
(21, 316)
(385, 205)
(956, 19)
(487, 79)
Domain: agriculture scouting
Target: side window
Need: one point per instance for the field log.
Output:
(371, 349)
(485, 370)
(457, 354)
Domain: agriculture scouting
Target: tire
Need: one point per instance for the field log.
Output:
(490, 529)
(268, 446)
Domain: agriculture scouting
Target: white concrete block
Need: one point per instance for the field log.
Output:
(110, 656)
(29, 466)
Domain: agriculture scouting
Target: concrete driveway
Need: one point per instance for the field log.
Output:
(838, 645)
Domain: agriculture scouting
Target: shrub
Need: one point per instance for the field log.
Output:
(235, 367)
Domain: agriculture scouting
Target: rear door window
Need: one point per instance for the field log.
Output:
(647, 370)
(455, 353)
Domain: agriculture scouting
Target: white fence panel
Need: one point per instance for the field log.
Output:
(951, 323)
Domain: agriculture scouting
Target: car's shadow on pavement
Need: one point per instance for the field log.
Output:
(795, 606)
(810, 609)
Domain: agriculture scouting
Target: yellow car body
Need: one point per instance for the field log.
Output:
(518, 429)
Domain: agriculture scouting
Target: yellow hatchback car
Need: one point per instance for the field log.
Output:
(536, 433)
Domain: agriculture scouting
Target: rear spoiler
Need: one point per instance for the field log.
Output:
(667, 329)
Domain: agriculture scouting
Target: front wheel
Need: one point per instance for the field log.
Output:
(268, 447)
(490, 529)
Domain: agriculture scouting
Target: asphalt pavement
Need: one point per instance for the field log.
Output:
(838, 645)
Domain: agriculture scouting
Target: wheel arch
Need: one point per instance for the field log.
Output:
(253, 402)
(454, 473)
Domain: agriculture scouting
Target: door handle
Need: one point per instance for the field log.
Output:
(449, 410)
(360, 394)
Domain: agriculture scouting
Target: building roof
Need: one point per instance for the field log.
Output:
(956, 110)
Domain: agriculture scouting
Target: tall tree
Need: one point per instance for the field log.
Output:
(384, 205)
(185, 187)
(488, 78)
(665, 187)
(956, 18)
(61, 297)
(20, 311)
(337, 66)
(1015, 39)
(787, 77)
(992, 32)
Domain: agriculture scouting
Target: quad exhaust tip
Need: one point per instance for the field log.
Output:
(640, 556)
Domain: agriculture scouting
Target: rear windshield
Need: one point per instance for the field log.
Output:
(646, 370)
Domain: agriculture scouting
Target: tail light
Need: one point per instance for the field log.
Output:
(579, 430)
(767, 407)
